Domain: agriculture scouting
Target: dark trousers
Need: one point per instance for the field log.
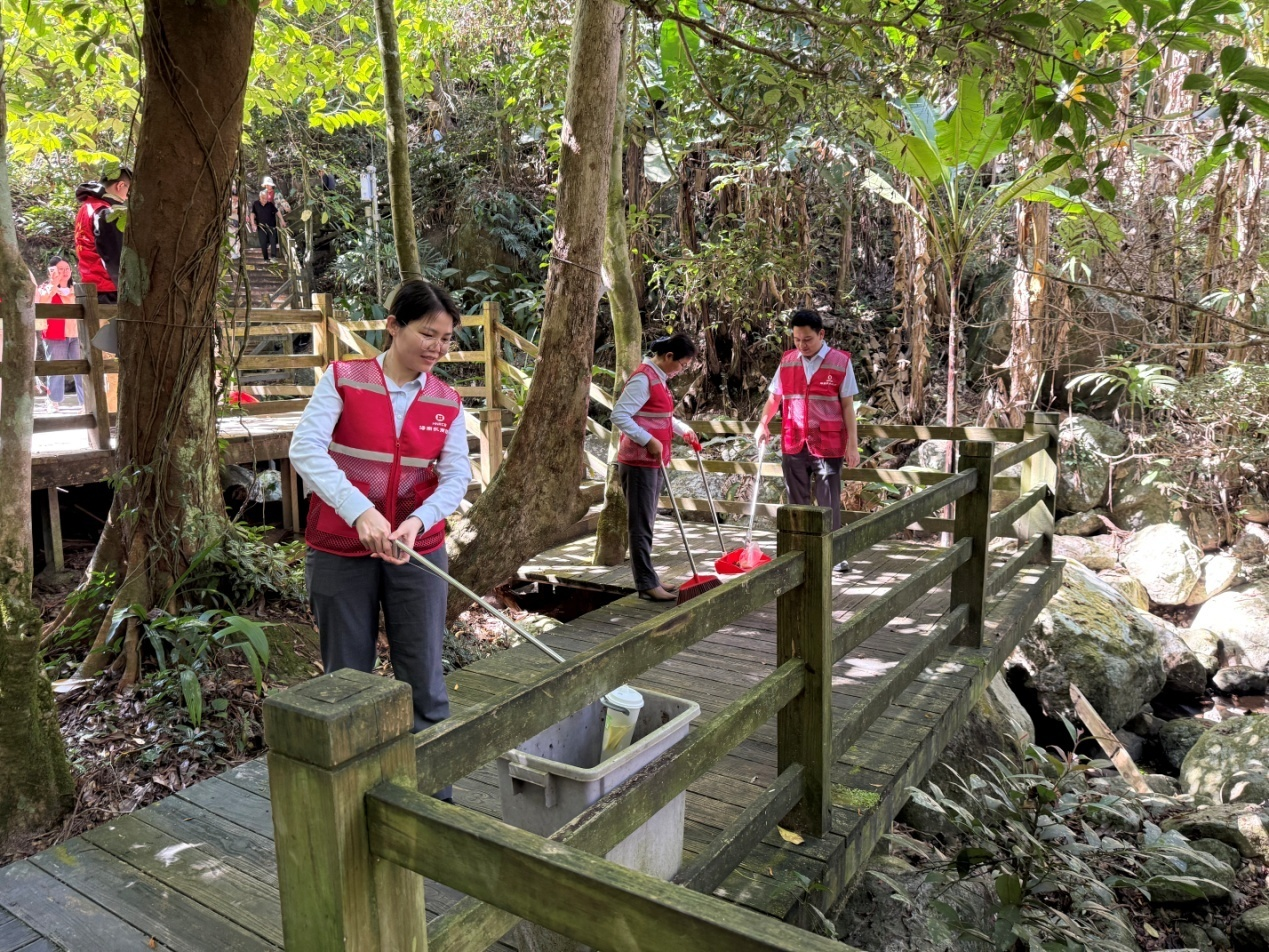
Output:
(800, 467)
(346, 594)
(642, 488)
(269, 240)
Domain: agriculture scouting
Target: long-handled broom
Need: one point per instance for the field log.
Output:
(748, 556)
(697, 584)
(700, 465)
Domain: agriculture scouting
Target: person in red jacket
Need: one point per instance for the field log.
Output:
(383, 447)
(644, 413)
(814, 392)
(60, 336)
(98, 235)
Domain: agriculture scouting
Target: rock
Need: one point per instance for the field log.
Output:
(932, 454)
(1207, 647)
(1081, 523)
(1250, 932)
(1085, 448)
(1206, 530)
(1177, 737)
(1133, 744)
(1216, 574)
(1254, 507)
(1242, 826)
(1095, 553)
(1162, 784)
(1221, 851)
(1139, 499)
(1215, 879)
(1144, 724)
(1186, 673)
(997, 725)
(1091, 636)
(1241, 680)
(1129, 587)
(1240, 618)
(1232, 751)
(1165, 561)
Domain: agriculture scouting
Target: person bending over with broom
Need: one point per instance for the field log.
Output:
(644, 413)
(383, 447)
(814, 391)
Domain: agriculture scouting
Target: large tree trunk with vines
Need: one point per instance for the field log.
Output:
(169, 504)
(536, 492)
(35, 782)
(612, 536)
(398, 142)
(913, 290)
(1027, 305)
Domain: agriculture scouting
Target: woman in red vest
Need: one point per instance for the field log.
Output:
(383, 447)
(644, 413)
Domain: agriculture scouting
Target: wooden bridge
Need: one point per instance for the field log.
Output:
(823, 697)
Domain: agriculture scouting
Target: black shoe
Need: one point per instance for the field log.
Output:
(842, 568)
(647, 596)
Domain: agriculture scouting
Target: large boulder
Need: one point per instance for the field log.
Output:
(932, 454)
(1185, 672)
(1081, 523)
(1243, 826)
(1206, 645)
(1241, 680)
(1250, 932)
(1089, 635)
(1165, 561)
(1176, 738)
(1085, 449)
(1096, 553)
(1217, 573)
(1128, 587)
(1240, 618)
(1141, 496)
(1254, 508)
(1206, 530)
(1252, 544)
(997, 726)
(1233, 752)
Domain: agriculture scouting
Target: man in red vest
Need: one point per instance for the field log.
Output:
(814, 392)
(98, 235)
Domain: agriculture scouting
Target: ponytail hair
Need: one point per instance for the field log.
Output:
(677, 346)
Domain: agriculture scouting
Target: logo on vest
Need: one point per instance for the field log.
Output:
(440, 418)
(829, 380)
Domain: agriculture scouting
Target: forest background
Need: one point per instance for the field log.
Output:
(1001, 206)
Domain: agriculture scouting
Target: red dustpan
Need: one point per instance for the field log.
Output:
(748, 556)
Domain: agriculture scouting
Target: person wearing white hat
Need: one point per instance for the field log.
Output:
(268, 185)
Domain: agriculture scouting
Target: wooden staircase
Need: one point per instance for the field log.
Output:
(269, 282)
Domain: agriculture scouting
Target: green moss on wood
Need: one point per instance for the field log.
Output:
(854, 799)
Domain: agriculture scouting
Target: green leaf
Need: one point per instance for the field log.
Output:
(915, 157)
(960, 133)
(1106, 189)
(771, 97)
(1197, 82)
(1232, 57)
(1256, 76)
(882, 189)
(192, 691)
(1009, 889)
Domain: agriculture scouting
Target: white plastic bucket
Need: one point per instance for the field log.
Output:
(621, 714)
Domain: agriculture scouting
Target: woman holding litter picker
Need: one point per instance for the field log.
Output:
(383, 447)
(644, 413)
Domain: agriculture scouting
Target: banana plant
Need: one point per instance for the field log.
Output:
(945, 159)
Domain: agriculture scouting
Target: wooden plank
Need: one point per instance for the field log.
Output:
(1024, 450)
(974, 523)
(1002, 434)
(14, 933)
(189, 869)
(1017, 509)
(281, 362)
(1000, 577)
(93, 399)
(235, 845)
(172, 918)
(233, 804)
(457, 745)
(1108, 742)
(853, 539)
(72, 469)
(609, 907)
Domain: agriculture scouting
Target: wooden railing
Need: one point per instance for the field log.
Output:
(356, 830)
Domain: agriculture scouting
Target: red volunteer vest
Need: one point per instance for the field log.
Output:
(92, 270)
(656, 416)
(811, 410)
(395, 472)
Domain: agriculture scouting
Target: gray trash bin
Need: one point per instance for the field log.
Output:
(553, 777)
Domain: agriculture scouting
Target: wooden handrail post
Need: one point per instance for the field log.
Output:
(490, 317)
(490, 443)
(330, 336)
(331, 740)
(1037, 469)
(804, 629)
(973, 521)
(94, 396)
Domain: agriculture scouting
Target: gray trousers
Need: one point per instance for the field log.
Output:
(800, 467)
(346, 593)
(642, 488)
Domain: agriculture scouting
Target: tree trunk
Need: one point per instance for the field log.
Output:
(1197, 363)
(612, 535)
(535, 493)
(169, 494)
(399, 196)
(913, 289)
(35, 782)
(1027, 305)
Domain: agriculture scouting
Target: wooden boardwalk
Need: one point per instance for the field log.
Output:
(196, 871)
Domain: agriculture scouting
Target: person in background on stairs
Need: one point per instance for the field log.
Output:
(266, 218)
(814, 393)
(268, 185)
(383, 446)
(644, 413)
(98, 235)
(61, 336)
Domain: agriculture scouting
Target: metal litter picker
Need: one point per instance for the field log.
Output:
(697, 584)
(748, 556)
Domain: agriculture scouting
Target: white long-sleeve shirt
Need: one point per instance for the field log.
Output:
(631, 401)
(811, 364)
(312, 460)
